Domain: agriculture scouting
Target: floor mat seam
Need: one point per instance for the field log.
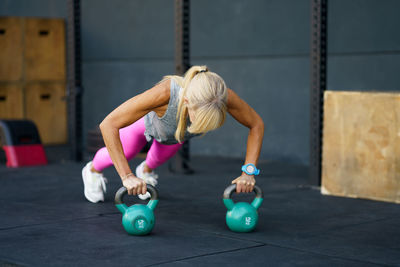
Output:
(55, 222)
(326, 255)
(341, 227)
(205, 255)
(301, 250)
(261, 244)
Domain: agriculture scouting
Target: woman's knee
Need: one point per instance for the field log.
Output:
(159, 154)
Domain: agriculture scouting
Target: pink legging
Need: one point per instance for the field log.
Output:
(133, 140)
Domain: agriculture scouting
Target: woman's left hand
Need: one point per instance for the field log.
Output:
(244, 183)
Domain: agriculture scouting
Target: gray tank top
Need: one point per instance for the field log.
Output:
(163, 129)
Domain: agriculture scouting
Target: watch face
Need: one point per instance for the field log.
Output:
(250, 169)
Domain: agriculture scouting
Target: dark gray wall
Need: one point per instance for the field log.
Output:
(35, 8)
(260, 48)
(237, 39)
(127, 47)
(364, 45)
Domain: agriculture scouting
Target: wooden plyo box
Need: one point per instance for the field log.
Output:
(11, 49)
(44, 49)
(11, 101)
(361, 145)
(47, 108)
(33, 74)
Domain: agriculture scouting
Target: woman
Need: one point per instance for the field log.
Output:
(173, 111)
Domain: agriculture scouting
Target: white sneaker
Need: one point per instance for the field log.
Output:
(149, 177)
(94, 184)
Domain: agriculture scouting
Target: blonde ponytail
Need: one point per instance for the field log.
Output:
(206, 94)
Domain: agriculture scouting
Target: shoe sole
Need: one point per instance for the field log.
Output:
(86, 193)
(141, 196)
(136, 173)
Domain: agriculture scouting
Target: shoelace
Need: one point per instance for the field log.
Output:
(103, 181)
(150, 178)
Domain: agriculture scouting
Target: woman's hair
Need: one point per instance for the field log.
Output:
(206, 95)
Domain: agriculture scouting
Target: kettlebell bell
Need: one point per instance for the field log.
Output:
(137, 219)
(242, 216)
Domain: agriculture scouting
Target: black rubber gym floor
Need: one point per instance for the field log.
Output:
(46, 221)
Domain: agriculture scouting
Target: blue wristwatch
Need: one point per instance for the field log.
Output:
(250, 169)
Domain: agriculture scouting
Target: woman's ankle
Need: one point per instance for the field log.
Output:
(146, 168)
(94, 170)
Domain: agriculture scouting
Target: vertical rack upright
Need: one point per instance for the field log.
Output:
(318, 56)
(74, 79)
(180, 163)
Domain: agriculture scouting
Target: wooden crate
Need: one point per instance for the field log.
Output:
(46, 106)
(45, 57)
(11, 49)
(11, 101)
(361, 145)
(33, 74)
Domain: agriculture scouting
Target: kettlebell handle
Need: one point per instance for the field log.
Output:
(232, 188)
(123, 191)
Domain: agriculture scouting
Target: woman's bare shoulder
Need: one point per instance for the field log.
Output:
(158, 95)
(153, 99)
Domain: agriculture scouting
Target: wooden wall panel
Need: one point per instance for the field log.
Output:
(46, 106)
(45, 50)
(361, 145)
(11, 101)
(11, 49)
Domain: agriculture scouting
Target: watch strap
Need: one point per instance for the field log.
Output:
(256, 171)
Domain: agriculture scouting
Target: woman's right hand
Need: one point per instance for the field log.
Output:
(135, 185)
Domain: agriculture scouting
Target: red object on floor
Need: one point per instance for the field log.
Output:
(25, 155)
(21, 143)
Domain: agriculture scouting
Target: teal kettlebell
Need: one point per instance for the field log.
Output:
(137, 219)
(242, 216)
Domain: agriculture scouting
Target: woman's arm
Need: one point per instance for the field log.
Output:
(247, 116)
(126, 114)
